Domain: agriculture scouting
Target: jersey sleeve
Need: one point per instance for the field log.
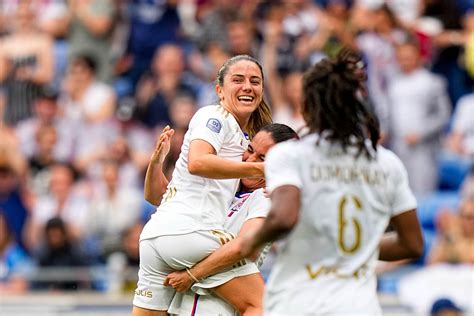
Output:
(210, 126)
(258, 205)
(281, 167)
(402, 198)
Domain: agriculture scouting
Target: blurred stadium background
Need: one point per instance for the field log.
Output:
(86, 85)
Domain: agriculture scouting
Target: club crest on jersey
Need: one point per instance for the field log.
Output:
(214, 125)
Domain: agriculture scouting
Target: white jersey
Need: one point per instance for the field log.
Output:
(193, 203)
(327, 262)
(244, 207)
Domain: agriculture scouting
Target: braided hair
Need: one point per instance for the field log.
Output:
(331, 102)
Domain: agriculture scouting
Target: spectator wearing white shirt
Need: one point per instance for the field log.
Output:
(419, 110)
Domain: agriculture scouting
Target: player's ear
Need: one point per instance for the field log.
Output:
(220, 92)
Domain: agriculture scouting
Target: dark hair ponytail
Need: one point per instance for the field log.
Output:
(330, 102)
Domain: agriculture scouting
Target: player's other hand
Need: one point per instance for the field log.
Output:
(163, 145)
(179, 280)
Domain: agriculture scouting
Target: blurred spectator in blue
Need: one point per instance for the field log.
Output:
(61, 251)
(15, 198)
(26, 63)
(448, 44)
(284, 91)
(460, 139)
(419, 111)
(90, 33)
(157, 89)
(114, 208)
(47, 113)
(445, 307)
(66, 199)
(152, 24)
(130, 242)
(15, 264)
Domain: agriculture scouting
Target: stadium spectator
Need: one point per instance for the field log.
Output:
(15, 197)
(26, 63)
(377, 44)
(47, 113)
(65, 200)
(59, 250)
(445, 307)
(157, 89)
(460, 139)
(113, 209)
(448, 45)
(419, 110)
(15, 264)
(91, 105)
(284, 91)
(152, 24)
(455, 238)
(43, 158)
(90, 33)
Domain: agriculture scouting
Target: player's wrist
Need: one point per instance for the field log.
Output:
(191, 276)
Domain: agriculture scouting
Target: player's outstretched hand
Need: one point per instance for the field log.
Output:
(179, 280)
(163, 145)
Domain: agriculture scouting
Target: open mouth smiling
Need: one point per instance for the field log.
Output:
(245, 98)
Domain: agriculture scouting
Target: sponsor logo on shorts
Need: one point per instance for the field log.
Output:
(214, 125)
(145, 293)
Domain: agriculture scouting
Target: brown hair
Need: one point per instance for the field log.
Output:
(262, 115)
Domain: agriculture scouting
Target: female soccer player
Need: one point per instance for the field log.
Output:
(333, 194)
(246, 213)
(188, 224)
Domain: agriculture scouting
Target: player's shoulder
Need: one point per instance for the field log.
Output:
(214, 116)
(293, 147)
(210, 110)
(388, 158)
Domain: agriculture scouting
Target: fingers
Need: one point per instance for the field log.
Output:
(167, 281)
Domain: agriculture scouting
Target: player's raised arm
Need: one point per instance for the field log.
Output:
(155, 180)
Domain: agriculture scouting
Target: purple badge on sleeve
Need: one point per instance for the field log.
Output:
(214, 125)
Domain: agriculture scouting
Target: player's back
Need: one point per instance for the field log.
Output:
(347, 200)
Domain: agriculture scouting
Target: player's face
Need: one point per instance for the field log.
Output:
(242, 90)
(256, 152)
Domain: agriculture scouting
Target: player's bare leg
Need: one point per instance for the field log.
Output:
(244, 293)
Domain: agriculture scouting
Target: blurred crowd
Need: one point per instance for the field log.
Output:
(87, 85)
